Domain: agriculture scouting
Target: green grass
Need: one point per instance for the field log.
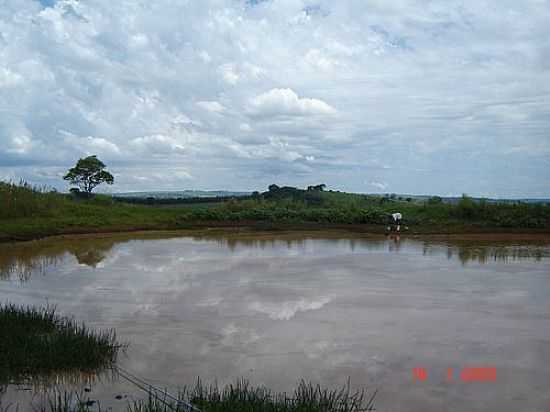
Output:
(31, 212)
(238, 397)
(307, 397)
(36, 342)
(24, 200)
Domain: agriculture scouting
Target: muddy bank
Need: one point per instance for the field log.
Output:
(258, 229)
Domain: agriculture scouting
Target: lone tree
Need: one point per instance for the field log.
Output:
(88, 173)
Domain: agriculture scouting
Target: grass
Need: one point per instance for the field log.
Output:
(38, 342)
(65, 402)
(23, 200)
(55, 401)
(238, 397)
(28, 212)
(242, 397)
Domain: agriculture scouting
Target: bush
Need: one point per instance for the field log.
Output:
(466, 208)
(435, 200)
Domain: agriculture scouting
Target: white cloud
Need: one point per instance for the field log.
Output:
(273, 148)
(331, 90)
(245, 127)
(158, 144)
(229, 73)
(379, 185)
(212, 106)
(9, 78)
(20, 144)
(205, 57)
(89, 145)
(285, 102)
(316, 58)
(139, 40)
(254, 72)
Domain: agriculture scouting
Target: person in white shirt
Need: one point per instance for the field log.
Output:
(397, 220)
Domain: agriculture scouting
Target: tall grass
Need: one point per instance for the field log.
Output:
(26, 200)
(36, 342)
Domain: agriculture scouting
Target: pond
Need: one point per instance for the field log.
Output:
(275, 308)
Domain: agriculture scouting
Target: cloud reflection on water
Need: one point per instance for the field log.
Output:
(25, 259)
(275, 308)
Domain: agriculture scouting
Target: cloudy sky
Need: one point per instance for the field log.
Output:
(407, 96)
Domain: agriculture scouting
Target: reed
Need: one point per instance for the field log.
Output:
(238, 397)
(244, 397)
(22, 199)
(36, 342)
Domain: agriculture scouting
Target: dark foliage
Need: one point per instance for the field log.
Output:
(88, 173)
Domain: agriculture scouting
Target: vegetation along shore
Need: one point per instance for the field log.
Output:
(30, 212)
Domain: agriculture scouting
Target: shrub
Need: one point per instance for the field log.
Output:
(466, 208)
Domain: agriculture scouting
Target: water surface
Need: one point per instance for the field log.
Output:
(276, 308)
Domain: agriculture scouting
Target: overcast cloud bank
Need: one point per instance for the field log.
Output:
(439, 97)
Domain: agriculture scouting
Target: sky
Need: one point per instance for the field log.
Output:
(372, 96)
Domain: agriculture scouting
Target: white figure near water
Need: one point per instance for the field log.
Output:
(397, 220)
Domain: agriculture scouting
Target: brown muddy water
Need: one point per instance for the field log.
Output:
(325, 307)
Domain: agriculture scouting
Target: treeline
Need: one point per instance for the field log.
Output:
(155, 201)
(286, 210)
(274, 192)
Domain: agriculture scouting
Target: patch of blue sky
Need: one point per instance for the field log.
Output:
(47, 3)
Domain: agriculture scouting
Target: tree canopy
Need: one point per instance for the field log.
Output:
(318, 188)
(88, 173)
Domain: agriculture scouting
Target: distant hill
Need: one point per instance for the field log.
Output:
(282, 192)
(456, 199)
(181, 194)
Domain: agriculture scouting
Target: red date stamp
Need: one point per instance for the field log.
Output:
(467, 374)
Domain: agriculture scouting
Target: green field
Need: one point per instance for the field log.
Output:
(28, 212)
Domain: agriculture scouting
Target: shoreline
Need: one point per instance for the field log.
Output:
(245, 229)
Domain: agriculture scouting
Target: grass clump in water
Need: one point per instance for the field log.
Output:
(36, 342)
(238, 397)
(243, 397)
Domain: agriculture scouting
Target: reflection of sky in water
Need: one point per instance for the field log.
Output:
(277, 310)
(24, 260)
